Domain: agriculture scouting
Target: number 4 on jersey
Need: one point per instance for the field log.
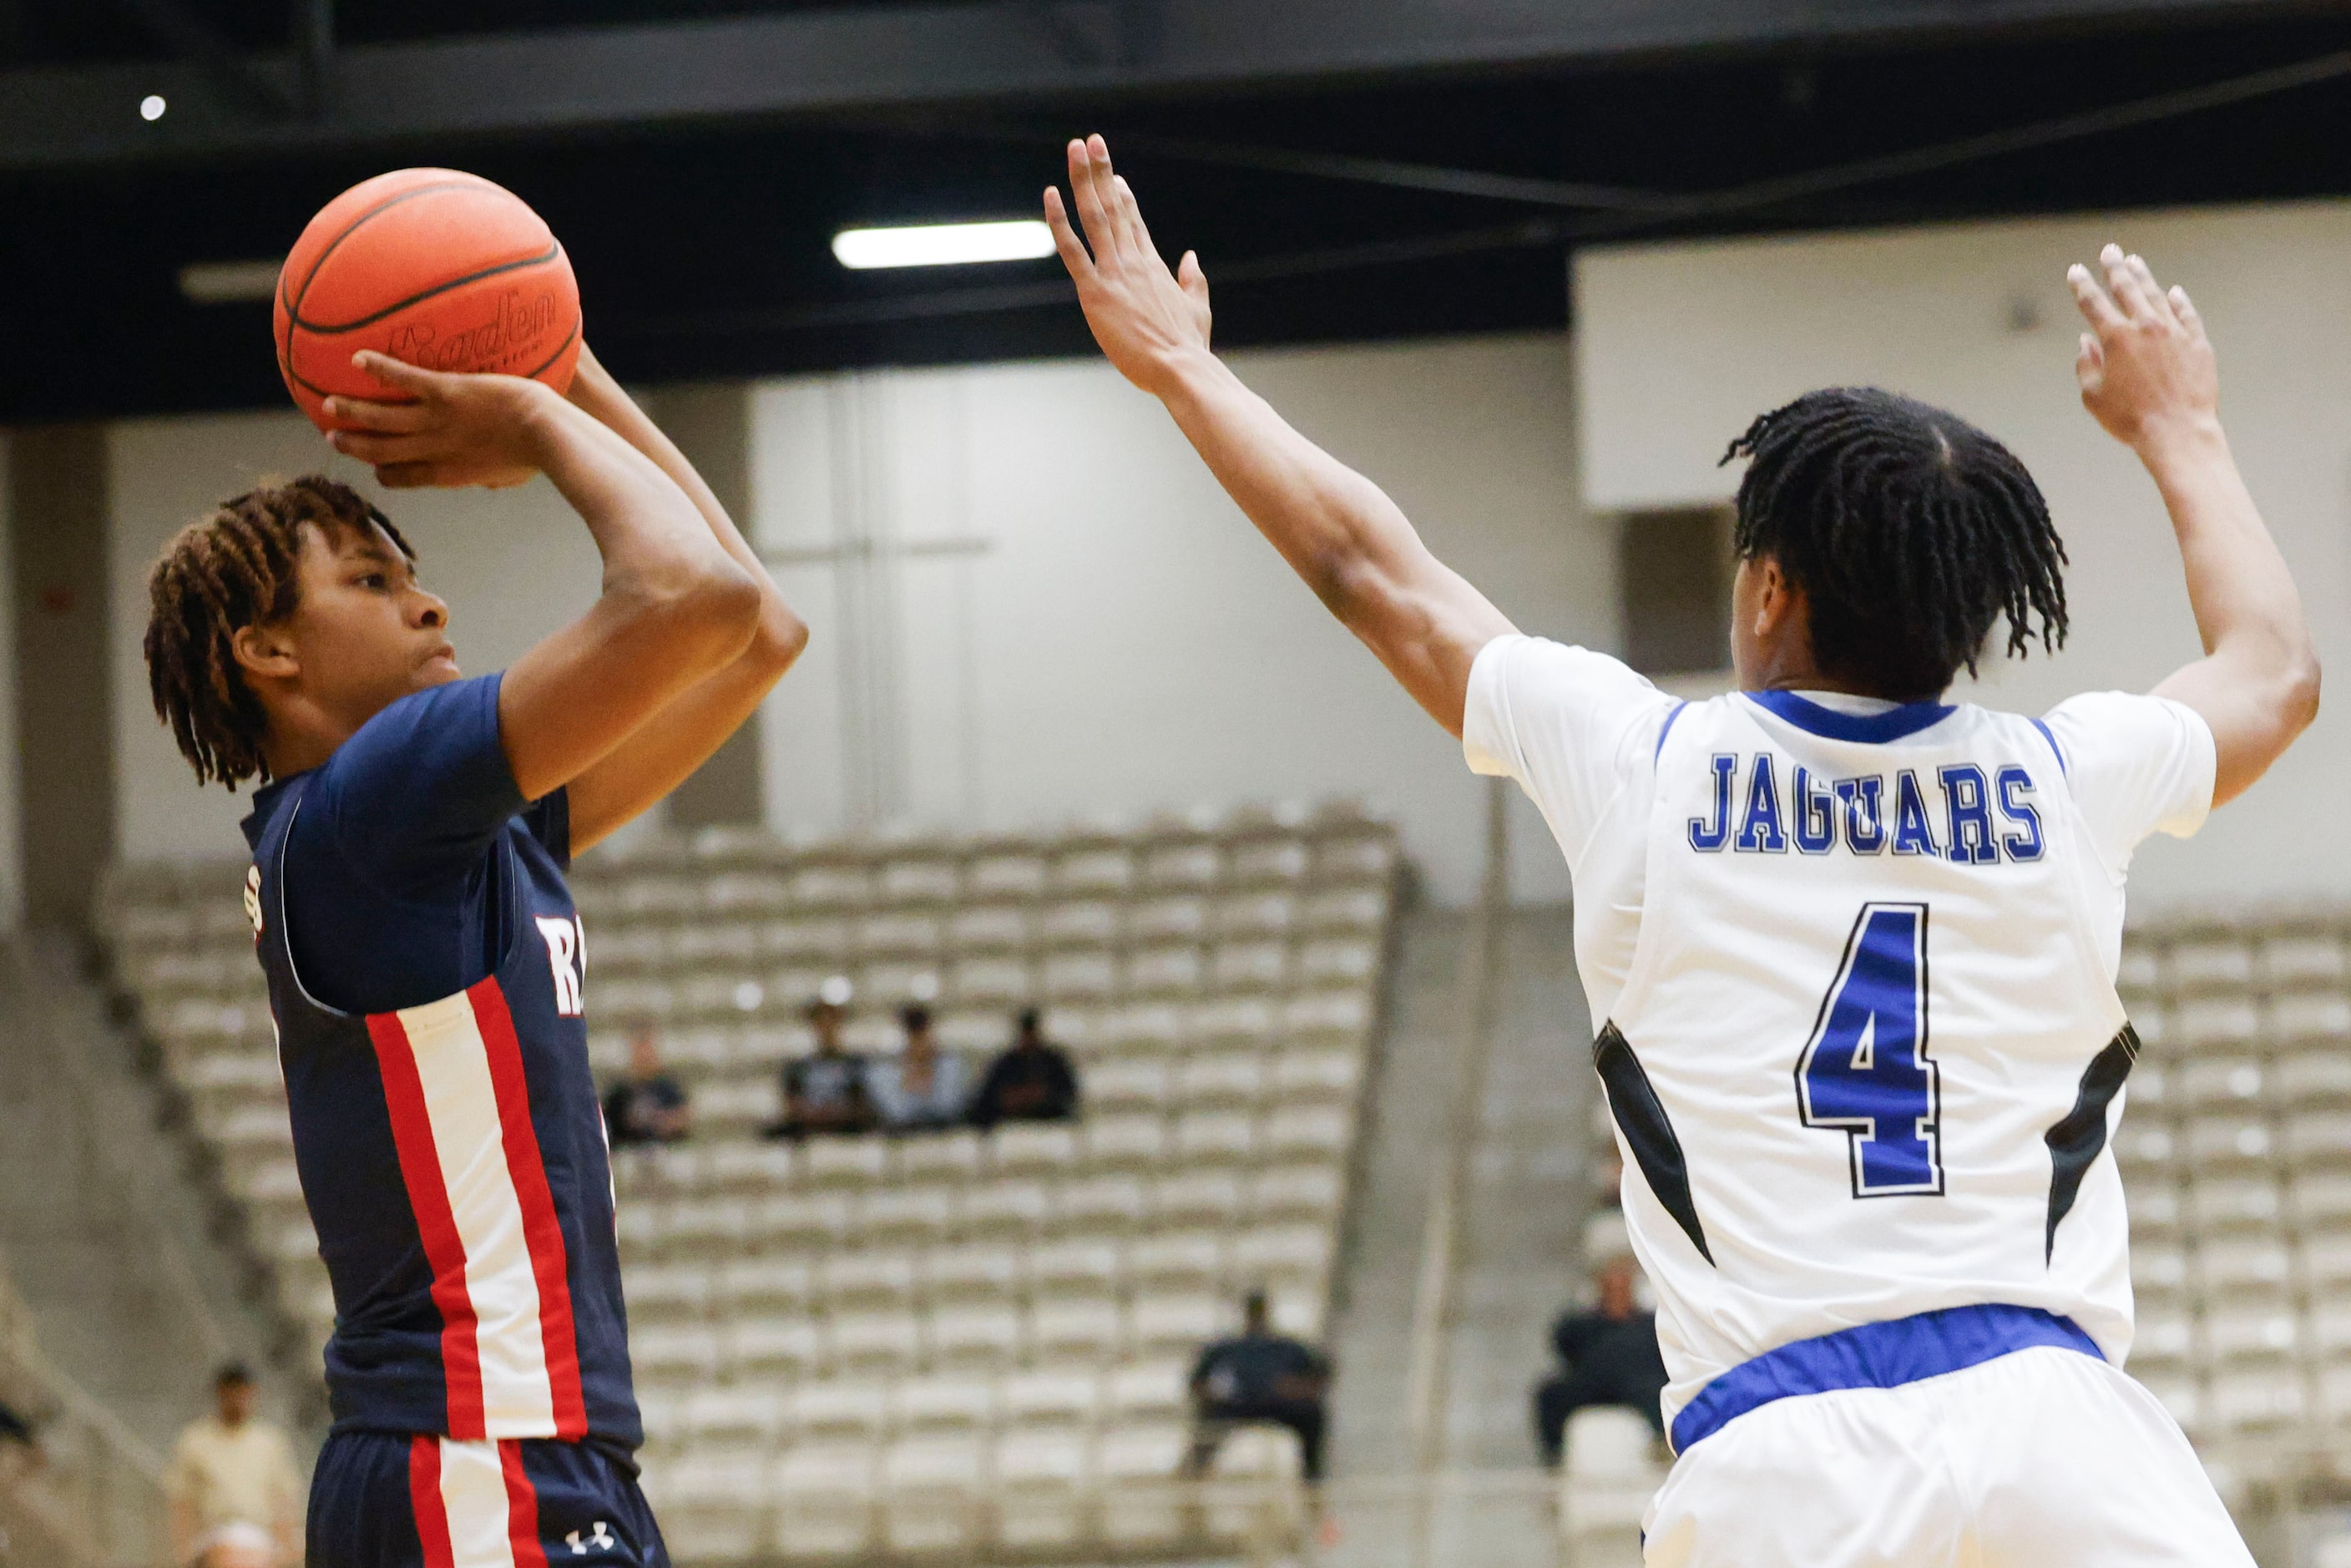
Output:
(1864, 1072)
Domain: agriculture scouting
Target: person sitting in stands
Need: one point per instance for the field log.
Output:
(1032, 1080)
(647, 1106)
(826, 1091)
(1609, 1356)
(922, 1088)
(1255, 1376)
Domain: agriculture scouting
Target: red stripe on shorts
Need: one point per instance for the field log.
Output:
(425, 1501)
(522, 1508)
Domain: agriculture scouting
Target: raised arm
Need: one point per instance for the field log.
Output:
(2148, 375)
(1336, 528)
(678, 739)
(675, 609)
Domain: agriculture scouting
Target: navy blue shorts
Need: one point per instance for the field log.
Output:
(393, 1500)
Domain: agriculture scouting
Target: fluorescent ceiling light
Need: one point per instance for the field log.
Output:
(943, 244)
(228, 282)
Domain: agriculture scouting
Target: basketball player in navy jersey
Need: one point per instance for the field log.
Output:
(426, 968)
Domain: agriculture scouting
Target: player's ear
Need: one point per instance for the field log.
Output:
(266, 651)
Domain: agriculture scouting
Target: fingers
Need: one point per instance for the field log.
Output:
(2123, 282)
(1089, 182)
(2089, 299)
(1194, 280)
(2158, 303)
(386, 418)
(1065, 238)
(404, 476)
(2090, 364)
(2185, 308)
(397, 373)
(1129, 213)
(377, 450)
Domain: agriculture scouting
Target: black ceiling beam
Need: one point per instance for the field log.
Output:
(779, 66)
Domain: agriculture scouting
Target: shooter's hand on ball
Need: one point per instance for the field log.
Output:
(460, 429)
(1147, 319)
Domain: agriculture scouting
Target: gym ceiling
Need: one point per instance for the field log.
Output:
(1347, 169)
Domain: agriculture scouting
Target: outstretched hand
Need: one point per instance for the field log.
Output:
(456, 431)
(1147, 319)
(2145, 366)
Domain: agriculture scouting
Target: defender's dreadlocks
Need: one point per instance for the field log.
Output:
(232, 570)
(1909, 530)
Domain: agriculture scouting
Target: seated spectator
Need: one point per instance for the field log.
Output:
(1609, 1356)
(647, 1106)
(1259, 1377)
(14, 1428)
(826, 1091)
(232, 1482)
(922, 1088)
(1032, 1080)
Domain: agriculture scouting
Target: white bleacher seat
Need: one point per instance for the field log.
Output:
(990, 929)
(1008, 1206)
(744, 1417)
(1366, 857)
(1333, 1075)
(676, 1291)
(1606, 1484)
(1261, 965)
(824, 1507)
(1075, 1266)
(1165, 971)
(1235, 1023)
(1097, 1205)
(1145, 1504)
(1206, 1197)
(2158, 1271)
(2253, 1265)
(776, 1348)
(2321, 1198)
(1032, 1148)
(1124, 1143)
(879, 1343)
(1179, 1263)
(2327, 1263)
(1060, 1398)
(1280, 1256)
(756, 1287)
(1277, 863)
(2211, 963)
(1040, 1486)
(1222, 1078)
(926, 880)
(978, 1335)
(738, 1165)
(1257, 915)
(713, 1505)
(2251, 1336)
(2164, 1345)
(1345, 909)
(1338, 961)
(1084, 974)
(1178, 1324)
(675, 1354)
(1146, 1391)
(945, 1402)
(1076, 1330)
(1218, 1137)
(2317, 1138)
(835, 1409)
(2314, 1077)
(950, 1156)
(2234, 1203)
(983, 981)
(867, 1278)
(970, 1271)
(906, 1214)
(845, 1162)
(1256, 1497)
(934, 1496)
(2222, 1083)
(1312, 1192)
(1103, 870)
(1088, 922)
(2256, 1400)
(800, 1221)
(1005, 875)
(1309, 1132)
(2222, 1142)
(1121, 1085)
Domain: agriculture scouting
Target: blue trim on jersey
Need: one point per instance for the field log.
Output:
(1666, 729)
(2055, 750)
(1870, 728)
(1875, 1356)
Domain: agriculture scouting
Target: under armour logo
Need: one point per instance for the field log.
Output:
(599, 1538)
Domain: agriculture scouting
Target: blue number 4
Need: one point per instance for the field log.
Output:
(1864, 1072)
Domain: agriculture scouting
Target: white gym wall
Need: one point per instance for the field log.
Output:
(1679, 346)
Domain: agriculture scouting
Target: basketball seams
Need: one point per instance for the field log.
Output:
(554, 252)
(294, 306)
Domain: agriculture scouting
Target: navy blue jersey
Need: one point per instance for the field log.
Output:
(425, 967)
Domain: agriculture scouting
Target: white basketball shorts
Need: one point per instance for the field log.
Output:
(2043, 1457)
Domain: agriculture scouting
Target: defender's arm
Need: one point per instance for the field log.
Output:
(2148, 375)
(1336, 528)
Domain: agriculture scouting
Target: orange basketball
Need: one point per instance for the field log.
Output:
(436, 267)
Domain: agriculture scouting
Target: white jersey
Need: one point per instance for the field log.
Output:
(1851, 966)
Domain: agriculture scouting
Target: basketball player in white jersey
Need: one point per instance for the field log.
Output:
(1853, 947)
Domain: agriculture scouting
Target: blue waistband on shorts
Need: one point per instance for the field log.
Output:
(1874, 1355)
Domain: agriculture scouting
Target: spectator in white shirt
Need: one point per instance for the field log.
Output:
(922, 1088)
(232, 1482)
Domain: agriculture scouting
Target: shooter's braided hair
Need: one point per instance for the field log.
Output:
(232, 570)
(1909, 530)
